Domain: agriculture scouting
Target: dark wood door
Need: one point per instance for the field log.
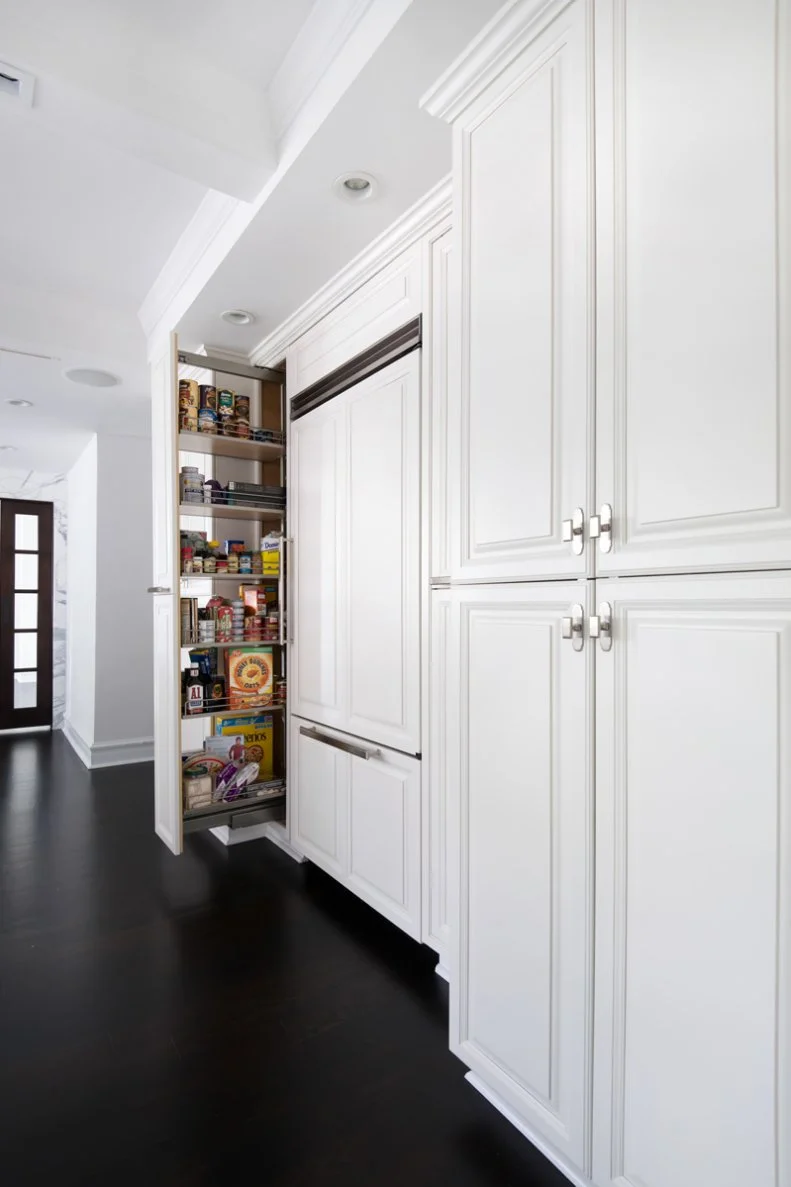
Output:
(26, 571)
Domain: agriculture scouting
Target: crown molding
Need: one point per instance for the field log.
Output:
(495, 47)
(418, 221)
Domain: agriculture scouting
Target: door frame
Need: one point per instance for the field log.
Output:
(41, 714)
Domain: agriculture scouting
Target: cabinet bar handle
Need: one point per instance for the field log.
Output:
(158, 589)
(574, 531)
(338, 744)
(571, 627)
(601, 528)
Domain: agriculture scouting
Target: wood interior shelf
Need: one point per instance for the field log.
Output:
(237, 447)
(201, 646)
(240, 578)
(222, 511)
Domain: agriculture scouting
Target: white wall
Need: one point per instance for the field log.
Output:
(49, 488)
(81, 576)
(109, 715)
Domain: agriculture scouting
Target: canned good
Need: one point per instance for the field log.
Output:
(243, 408)
(207, 421)
(208, 396)
(197, 564)
(188, 420)
(189, 394)
(210, 564)
(226, 402)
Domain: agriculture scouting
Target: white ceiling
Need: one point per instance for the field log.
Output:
(304, 233)
(148, 110)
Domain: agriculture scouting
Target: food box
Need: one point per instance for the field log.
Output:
(254, 734)
(249, 677)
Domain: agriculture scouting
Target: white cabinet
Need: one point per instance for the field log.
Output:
(436, 927)
(317, 518)
(520, 840)
(693, 911)
(356, 524)
(437, 333)
(522, 398)
(384, 303)
(356, 813)
(693, 269)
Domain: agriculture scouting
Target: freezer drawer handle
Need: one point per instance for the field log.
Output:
(158, 589)
(346, 747)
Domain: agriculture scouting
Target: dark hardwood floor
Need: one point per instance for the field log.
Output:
(226, 1017)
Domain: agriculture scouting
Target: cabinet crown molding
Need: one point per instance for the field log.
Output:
(425, 216)
(503, 39)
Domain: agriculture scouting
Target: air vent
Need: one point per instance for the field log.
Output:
(16, 84)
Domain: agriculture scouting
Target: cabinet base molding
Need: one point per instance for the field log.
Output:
(443, 971)
(109, 754)
(572, 1174)
(278, 836)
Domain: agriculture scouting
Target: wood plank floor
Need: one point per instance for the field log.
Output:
(226, 1017)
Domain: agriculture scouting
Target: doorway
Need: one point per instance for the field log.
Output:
(26, 606)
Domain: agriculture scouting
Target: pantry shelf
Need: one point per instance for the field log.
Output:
(279, 708)
(236, 447)
(225, 511)
(239, 578)
(199, 643)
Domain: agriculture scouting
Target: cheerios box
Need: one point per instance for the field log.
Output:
(255, 735)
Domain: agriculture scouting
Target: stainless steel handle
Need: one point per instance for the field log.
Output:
(338, 744)
(290, 601)
(600, 626)
(571, 627)
(573, 531)
(601, 528)
(158, 589)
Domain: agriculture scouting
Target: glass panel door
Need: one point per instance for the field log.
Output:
(26, 568)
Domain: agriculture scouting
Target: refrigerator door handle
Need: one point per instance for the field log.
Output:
(338, 743)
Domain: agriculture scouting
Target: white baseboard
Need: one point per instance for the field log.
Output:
(572, 1174)
(109, 754)
(278, 836)
(443, 971)
(235, 836)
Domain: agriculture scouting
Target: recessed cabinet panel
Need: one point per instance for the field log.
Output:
(693, 1077)
(384, 854)
(693, 267)
(522, 818)
(526, 341)
(318, 784)
(318, 503)
(384, 556)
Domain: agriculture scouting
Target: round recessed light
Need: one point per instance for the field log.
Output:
(91, 378)
(238, 317)
(20, 403)
(355, 187)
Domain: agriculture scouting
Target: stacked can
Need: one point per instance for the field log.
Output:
(207, 413)
(237, 608)
(191, 481)
(206, 630)
(189, 403)
(226, 403)
(242, 416)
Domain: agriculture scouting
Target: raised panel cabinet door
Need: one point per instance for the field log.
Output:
(693, 896)
(382, 577)
(523, 396)
(436, 931)
(693, 271)
(520, 832)
(317, 498)
(318, 785)
(384, 835)
(167, 725)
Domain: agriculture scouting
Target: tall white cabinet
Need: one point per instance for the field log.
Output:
(619, 418)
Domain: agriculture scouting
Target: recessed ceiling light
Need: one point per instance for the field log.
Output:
(238, 317)
(20, 403)
(91, 378)
(356, 186)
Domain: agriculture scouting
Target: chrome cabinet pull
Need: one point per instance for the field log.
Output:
(571, 627)
(158, 589)
(600, 626)
(338, 743)
(601, 528)
(574, 531)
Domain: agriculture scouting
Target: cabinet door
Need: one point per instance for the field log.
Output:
(436, 348)
(693, 818)
(384, 836)
(521, 844)
(318, 785)
(317, 523)
(694, 391)
(523, 190)
(382, 579)
(167, 710)
(436, 929)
